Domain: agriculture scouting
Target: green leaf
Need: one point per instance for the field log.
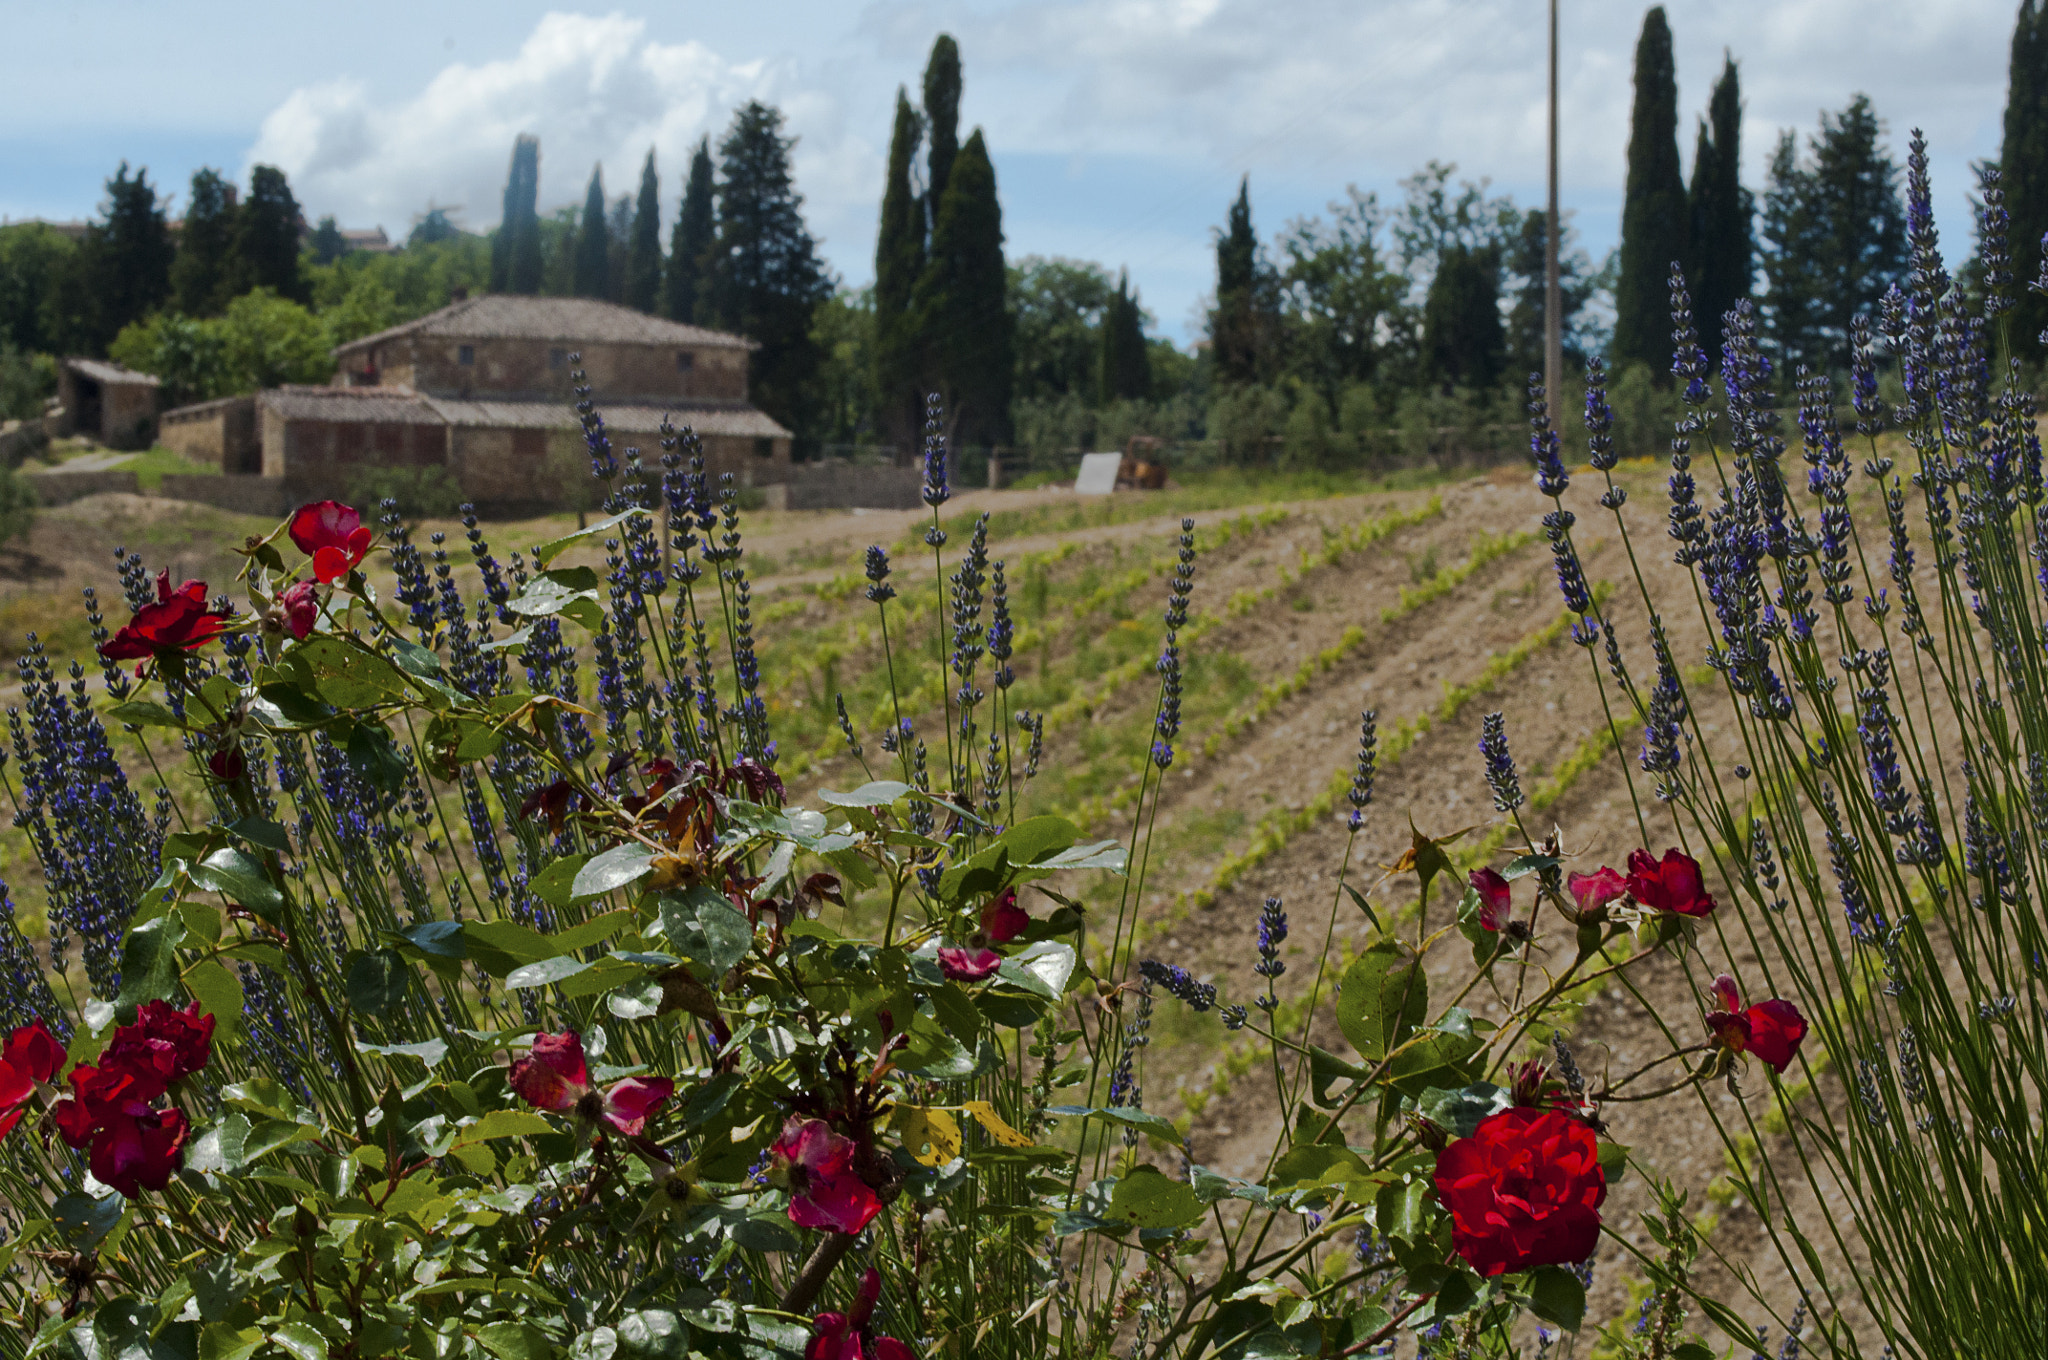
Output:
(653, 1334)
(346, 674)
(1358, 900)
(428, 1052)
(1211, 1186)
(704, 927)
(373, 756)
(1043, 968)
(214, 1289)
(1325, 1069)
(438, 939)
(1458, 1112)
(1147, 1199)
(1109, 855)
(515, 1341)
(218, 1341)
(1529, 864)
(498, 947)
(555, 885)
(287, 708)
(501, 1124)
(121, 1327)
(219, 994)
(376, 979)
(264, 832)
(1613, 1160)
(879, 793)
(300, 1341)
(1555, 1295)
(239, 878)
(416, 660)
(83, 1222)
(547, 552)
(1383, 997)
(143, 713)
(1154, 1126)
(220, 1146)
(1036, 840)
(268, 1135)
(615, 868)
(544, 972)
(1312, 1162)
(566, 590)
(149, 963)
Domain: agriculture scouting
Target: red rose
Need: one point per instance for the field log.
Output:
(1670, 885)
(31, 1059)
(968, 965)
(112, 1110)
(1002, 920)
(333, 535)
(179, 621)
(1595, 890)
(1496, 903)
(301, 605)
(556, 1076)
(1523, 1191)
(227, 766)
(847, 1336)
(824, 1189)
(1770, 1029)
(171, 1043)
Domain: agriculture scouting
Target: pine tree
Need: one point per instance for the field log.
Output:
(1834, 235)
(1124, 368)
(942, 117)
(2023, 168)
(593, 243)
(766, 280)
(267, 228)
(683, 285)
(899, 260)
(515, 249)
(205, 264)
(959, 306)
(327, 243)
(1720, 234)
(643, 263)
(126, 263)
(1653, 211)
(1462, 339)
(1241, 328)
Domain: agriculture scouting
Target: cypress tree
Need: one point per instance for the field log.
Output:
(515, 249)
(1124, 367)
(1462, 338)
(126, 262)
(267, 228)
(593, 243)
(643, 261)
(1720, 235)
(960, 302)
(1654, 210)
(327, 242)
(942, 116)
(1235, 329)
(765, 280)
(2023, 167)
(205, 264)
(695, 229)
(899, 260)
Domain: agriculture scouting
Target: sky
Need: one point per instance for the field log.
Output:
(1119, 128)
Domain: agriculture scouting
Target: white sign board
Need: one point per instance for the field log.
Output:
(1098, 473)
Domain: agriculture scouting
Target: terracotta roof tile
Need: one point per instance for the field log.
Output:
(507, 316)
(719, 418)
(378, 405)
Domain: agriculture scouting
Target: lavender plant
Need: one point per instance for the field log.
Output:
(463, 980)
(1875, 642)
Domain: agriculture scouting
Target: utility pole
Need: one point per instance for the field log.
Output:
(1553, 301)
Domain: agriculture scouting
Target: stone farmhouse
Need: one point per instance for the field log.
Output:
(482, 388)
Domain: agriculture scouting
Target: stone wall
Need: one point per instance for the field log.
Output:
(540, 368)
(847, 486)
(319, 458)
(21, 439)
(222, 433)
(243, 494)
(59, 488)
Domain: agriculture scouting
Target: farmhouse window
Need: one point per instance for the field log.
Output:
(764, 448)
(558, 358)
(685, 361)
(465, 354)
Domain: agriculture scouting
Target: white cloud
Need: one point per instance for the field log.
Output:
(594, 89)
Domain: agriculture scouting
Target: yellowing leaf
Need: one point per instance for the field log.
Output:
(921, 1128)
(992, 1124)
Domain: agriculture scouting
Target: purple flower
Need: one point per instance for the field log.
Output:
(1500, 765)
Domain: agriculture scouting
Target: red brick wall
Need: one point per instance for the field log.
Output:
(524, 367)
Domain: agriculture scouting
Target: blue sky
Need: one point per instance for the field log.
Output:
(1119, 127)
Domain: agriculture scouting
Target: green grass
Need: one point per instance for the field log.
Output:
(150, 465)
